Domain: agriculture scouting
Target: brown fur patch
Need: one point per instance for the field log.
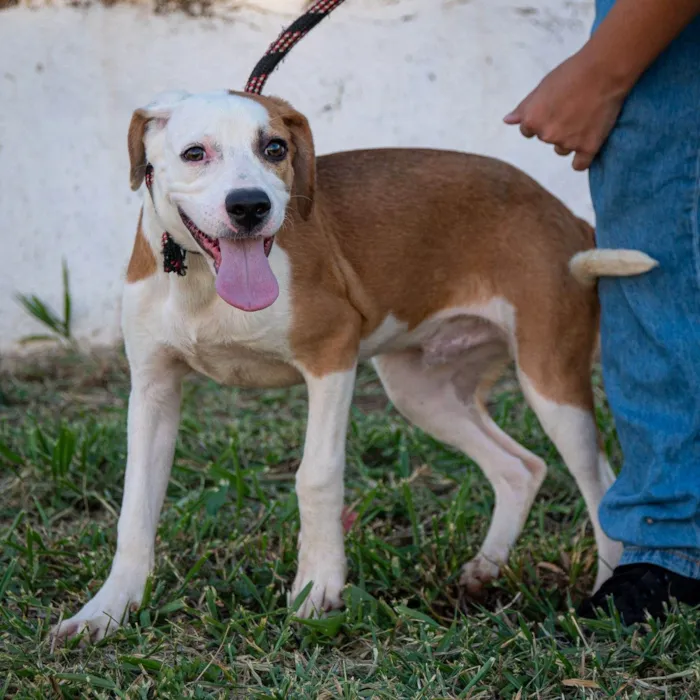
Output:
(412, 232)
(142, 263)
(137, 148)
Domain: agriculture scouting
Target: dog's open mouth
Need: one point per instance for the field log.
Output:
(211, 245)
(244, 277)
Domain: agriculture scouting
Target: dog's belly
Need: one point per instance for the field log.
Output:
(448, 334)
(233, 365)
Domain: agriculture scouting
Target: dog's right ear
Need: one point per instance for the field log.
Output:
(160, 110)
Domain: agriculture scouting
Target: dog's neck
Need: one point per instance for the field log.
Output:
(193, 291)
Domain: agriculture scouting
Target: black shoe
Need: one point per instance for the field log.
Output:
(639, 588)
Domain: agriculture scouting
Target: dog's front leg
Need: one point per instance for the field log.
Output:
(153, 419)
(320, 490)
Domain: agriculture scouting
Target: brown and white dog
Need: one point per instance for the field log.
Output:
(440, 266)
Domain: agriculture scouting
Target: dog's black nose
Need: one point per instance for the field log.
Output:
(247, 208)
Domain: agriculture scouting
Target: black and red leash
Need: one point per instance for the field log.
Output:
(173, 254)
(286, 41)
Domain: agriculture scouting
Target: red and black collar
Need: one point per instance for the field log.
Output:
(173, 253)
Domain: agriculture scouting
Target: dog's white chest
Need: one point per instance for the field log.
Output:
(232, 347)
(237, 348)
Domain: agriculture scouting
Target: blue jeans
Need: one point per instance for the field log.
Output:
(645, 186)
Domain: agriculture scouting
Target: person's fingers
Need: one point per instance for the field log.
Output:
(516, 116)
(526, 130)
(561, 151)
(582, 161)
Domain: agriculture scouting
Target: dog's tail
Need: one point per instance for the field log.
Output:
(588, 265)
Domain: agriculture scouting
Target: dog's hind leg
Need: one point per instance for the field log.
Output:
(153, 419)
(444, 402)
(570, 425)
(554, 369)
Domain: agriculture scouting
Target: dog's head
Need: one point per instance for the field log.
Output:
(227, 168)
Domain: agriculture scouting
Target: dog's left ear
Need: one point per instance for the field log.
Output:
(304, 162)
(160, 110)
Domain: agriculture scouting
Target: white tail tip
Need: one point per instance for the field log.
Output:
(589, 265)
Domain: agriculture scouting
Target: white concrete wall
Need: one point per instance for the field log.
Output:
(376, 73)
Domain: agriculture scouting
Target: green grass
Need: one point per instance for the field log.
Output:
(216, 625)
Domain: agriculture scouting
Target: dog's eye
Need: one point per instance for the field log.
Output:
(276, 149)
(193, 154)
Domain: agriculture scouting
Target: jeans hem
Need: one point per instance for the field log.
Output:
(677, 560)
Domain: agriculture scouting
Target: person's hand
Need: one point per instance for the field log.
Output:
(574, 108)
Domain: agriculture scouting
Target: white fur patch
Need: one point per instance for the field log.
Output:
(388, 331)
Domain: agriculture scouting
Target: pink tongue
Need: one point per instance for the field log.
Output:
(245, 279)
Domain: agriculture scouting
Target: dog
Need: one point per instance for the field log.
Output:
(440, 267)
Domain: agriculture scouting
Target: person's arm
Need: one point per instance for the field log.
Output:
(576, 105)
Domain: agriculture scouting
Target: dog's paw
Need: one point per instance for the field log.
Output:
(328, 576)
(101, 616)
(478, 573)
